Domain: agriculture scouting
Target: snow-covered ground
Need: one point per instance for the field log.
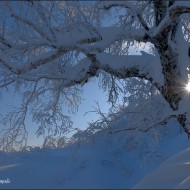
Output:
(102, 162)
(174, 173)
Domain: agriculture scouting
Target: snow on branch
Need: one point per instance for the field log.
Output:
(173, 13)
(63, 47)
(131, 66)
(142, 66)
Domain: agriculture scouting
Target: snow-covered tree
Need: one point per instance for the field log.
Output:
(50, 142)
(48, 50)
(53, 142)
(143, 114)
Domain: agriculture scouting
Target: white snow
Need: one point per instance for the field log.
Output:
(142, 62)
(172, 174)
(102, 162)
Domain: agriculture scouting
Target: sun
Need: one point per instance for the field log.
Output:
(187, 87)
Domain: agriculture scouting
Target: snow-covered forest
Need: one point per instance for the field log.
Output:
(50, 49)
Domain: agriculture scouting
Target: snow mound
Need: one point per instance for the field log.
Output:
(174, 173)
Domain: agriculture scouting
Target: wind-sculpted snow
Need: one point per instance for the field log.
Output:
(101, 162)
(172, 174)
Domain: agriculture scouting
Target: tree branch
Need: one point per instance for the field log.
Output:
(173, 13)
(142, 21)
(30, 23)
(119, 66)
(35, 64)
(8, 66)
(107, 5)
(129, 66)
(160, 10)
(162, 122)
(4, 42)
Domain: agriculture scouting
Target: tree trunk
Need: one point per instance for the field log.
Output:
(171, 89)
(169, 62)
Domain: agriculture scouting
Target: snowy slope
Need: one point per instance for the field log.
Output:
(103, 162)
(172, 174)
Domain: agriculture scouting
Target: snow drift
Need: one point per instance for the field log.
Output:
(103, 161)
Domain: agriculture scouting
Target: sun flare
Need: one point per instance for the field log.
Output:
(188, 87)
